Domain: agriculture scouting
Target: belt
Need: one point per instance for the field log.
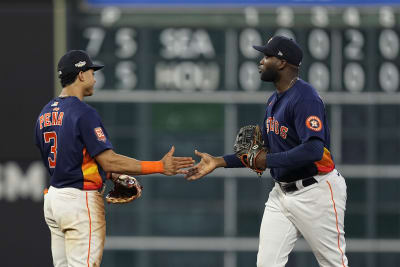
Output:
(293, 186)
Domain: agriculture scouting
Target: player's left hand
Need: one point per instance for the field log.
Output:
(175, 165)
(249, 148)
(126, 189)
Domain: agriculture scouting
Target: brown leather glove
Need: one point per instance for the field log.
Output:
(248, 145)
(126, 189)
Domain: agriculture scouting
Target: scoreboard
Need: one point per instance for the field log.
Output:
(346, 49)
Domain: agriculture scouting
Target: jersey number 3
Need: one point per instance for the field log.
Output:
(48, 136)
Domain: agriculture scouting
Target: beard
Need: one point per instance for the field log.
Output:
(270, 75)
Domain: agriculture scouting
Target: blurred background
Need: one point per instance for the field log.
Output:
(184, 73)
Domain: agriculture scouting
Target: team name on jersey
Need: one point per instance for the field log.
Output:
(51, 119)
(272, 125)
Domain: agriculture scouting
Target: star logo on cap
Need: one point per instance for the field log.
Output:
(80, 64)
(280, 53)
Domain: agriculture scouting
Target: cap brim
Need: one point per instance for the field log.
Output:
(263, 49)
(96, 67)
(259, 48)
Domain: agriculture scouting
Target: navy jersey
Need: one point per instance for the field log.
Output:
(69, 134)
(292, 118)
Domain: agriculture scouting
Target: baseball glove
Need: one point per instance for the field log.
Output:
(248, 145)
(126, 189)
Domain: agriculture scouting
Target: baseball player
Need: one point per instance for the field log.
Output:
(309, 196)
(78, 154)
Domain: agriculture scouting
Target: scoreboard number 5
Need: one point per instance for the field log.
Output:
(48, 136)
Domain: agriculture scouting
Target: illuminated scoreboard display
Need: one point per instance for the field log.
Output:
(351, 49)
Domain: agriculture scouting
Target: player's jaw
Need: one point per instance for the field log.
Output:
(91, 81)
(269, 73)
(89, 91)
(268, 70)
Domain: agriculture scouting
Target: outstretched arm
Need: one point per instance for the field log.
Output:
(168, 165)
(207, 164)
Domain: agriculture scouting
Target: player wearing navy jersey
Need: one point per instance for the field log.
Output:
(309, 196)
(76, 149)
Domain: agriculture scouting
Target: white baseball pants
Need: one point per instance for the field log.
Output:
(76, 219)
(315, 212)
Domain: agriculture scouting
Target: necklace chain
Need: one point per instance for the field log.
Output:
(292, 81)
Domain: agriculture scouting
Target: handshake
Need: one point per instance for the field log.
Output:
(248, 147)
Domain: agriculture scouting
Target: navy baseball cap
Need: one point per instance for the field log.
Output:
(75, 61)
(284, 48)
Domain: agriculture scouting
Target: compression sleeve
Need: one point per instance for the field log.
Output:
(308, 152)
(232, 161)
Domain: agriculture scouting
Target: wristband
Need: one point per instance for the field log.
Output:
(232, 161)
(152, 167)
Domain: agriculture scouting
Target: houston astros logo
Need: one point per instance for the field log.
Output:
(314, 123)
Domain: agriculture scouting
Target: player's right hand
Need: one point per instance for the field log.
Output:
(174, 165)
(206, 165)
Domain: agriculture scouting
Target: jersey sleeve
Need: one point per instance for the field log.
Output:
(232, 161)
(309, 118)
(93, 133)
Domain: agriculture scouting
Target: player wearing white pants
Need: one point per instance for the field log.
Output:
(309, 198)
(315, 212)
(77, 223)
(76, 150)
